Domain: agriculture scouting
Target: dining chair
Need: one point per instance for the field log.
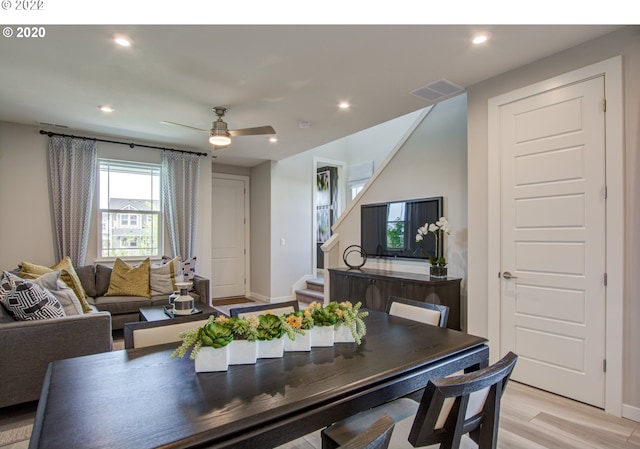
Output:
(424, 312)
(276, 308)
(450, 408)
(150, 333)
(376, 436)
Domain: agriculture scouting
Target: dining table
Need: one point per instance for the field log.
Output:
(143, 398)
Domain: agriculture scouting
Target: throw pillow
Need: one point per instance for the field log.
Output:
(29, 301)
(188, 267)
(128, 280)
(163, 277)
(52, 283)
(67, 274)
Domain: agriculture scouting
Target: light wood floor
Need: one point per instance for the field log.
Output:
(534, 419)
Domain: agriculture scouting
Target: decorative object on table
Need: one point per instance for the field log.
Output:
(183, 305)
(244, 347)
(270, 332)
(267, 332)
(438, 261)
(324, 320)
(301, 323)
(354, 256)
(351, 327)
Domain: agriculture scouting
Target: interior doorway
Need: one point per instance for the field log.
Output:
(328, 204)
(555, 244)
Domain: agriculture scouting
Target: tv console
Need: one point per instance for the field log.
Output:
(373, 288)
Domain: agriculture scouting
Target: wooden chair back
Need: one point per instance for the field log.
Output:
(470, 403)
(424, 312)
(151, 333)
(376, 436)
(276, 308)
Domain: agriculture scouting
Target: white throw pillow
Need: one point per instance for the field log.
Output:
(163, 277)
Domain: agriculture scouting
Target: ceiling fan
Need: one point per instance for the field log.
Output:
(220, 134)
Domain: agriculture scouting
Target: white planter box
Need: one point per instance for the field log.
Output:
(212, 359)
(271, 349)
(243, 352)
(343, 335)
(322, 336)
(301, 342)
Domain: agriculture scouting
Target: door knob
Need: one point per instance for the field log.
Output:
(508, 275)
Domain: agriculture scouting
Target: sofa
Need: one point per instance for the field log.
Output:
(27, 347)
(96, 279)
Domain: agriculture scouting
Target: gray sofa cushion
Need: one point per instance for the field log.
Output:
(103, 278)
(87, 275)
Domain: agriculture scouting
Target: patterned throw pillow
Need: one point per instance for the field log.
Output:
(29, 301)
(188, 267)
(67, 274)
(163, 277)
(52, 283)
(128, 280)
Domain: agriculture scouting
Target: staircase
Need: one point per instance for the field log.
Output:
(313, 292)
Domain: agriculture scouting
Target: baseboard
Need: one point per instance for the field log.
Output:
(631, 412)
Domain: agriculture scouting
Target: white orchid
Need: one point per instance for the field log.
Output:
(437, 228)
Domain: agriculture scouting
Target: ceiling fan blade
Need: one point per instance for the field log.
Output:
(184, 126)
(252, 131)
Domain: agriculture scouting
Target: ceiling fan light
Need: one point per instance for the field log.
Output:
(219, 139)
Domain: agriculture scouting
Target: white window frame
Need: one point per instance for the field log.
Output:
(154, 169)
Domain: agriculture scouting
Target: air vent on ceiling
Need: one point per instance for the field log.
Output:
(438, 90)
(52, 124)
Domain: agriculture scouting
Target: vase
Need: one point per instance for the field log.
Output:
(322, 336)
(343, 334)
(271, 349)
(211, 359)
(243, 352)
(301, 342)
(438, 272)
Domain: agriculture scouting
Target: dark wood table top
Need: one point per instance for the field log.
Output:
(141, 398)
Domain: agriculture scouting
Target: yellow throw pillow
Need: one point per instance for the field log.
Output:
(67, 274)
(127, 280)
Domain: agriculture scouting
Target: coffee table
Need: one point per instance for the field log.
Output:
(157, 313)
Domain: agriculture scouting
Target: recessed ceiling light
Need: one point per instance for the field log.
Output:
(122, 40)
(479, 39)
(273, 139)
(106, 108)
(344, 105)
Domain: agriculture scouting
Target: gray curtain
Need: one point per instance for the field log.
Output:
(180, 195)
(72, 173)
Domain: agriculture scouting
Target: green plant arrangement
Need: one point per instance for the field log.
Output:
(351, 316)
(324, 315)
(298, 322)
(438, 228)
(271, 326)
(215, 333)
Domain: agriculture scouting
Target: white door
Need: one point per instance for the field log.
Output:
(553, 243)
(228, 231)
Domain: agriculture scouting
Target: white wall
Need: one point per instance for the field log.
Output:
(26, 233)
(292, 181)
(625, 42)
(432, 162)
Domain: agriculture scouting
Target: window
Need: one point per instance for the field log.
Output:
(396, 226)
(130, 209)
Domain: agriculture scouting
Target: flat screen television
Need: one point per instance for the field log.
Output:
(389, 229)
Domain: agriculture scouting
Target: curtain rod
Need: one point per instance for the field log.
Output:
(130, 145)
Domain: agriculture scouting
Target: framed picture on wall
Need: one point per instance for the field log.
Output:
(323, 188)
(324, 224)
